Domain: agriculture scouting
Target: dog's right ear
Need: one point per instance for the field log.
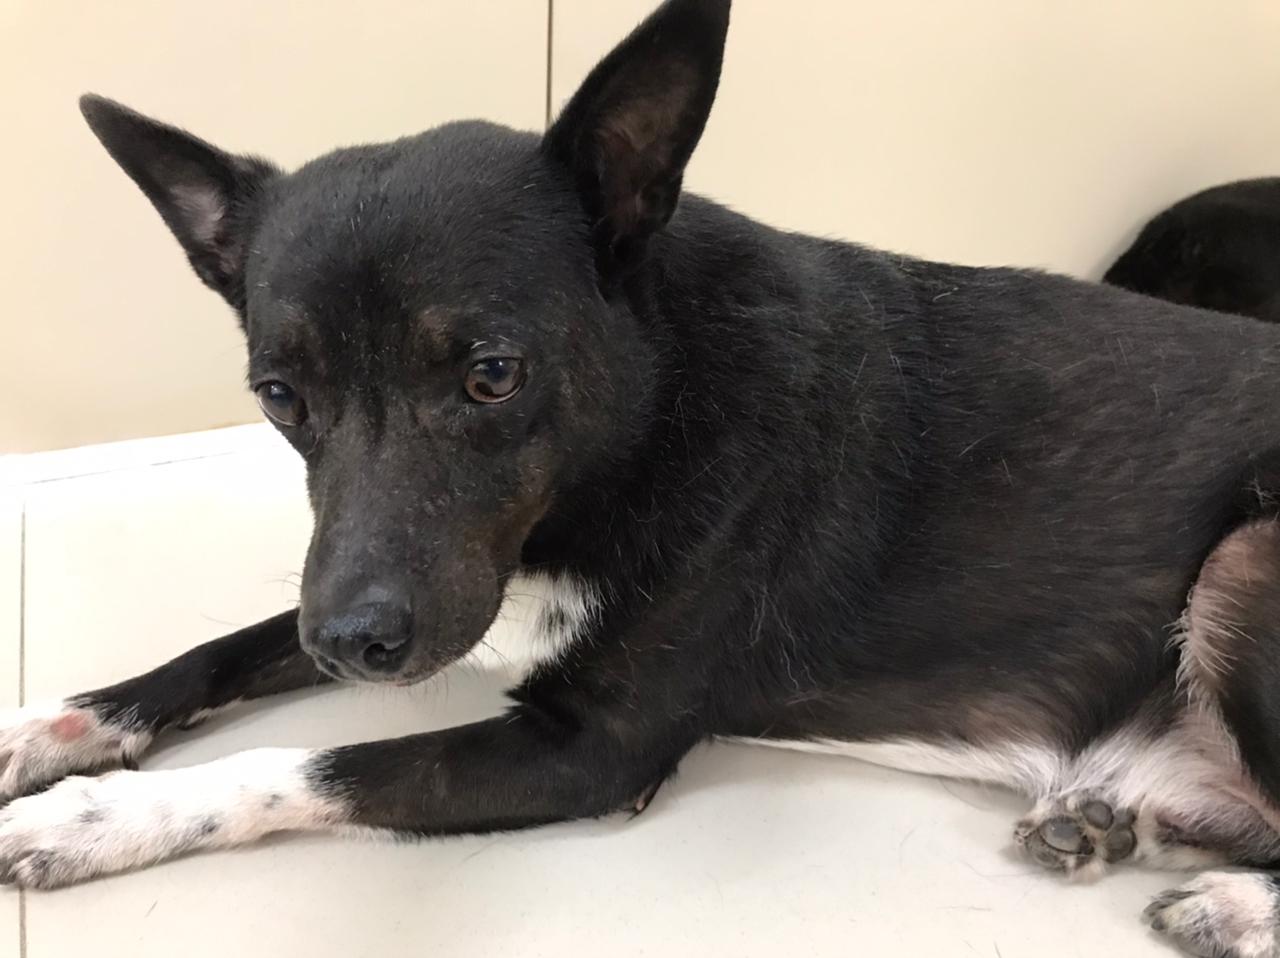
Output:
(208, 198)
(628, 132)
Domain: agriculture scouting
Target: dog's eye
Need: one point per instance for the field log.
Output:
(281, 404)
(493, 380)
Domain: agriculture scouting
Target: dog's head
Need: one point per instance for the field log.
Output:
(435, 325)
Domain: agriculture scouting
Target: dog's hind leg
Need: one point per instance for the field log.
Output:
(1166, 789)
(1231, 670)
(111, 727)
(1193, 779)
(1231, 646)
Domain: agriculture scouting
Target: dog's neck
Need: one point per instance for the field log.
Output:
(745, 324)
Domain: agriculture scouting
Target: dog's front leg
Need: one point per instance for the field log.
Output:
(112, 726)
(522, 769)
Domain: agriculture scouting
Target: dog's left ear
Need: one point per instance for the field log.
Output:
(628, 132)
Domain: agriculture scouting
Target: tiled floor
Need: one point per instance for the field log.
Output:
(751, 852)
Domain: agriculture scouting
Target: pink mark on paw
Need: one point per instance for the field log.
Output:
(71, 726)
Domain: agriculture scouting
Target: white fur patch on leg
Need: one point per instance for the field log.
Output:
(40, 744)
(1227, 914)
(84, 827)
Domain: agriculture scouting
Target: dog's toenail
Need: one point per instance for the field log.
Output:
(1062, 834)
(1098, 814)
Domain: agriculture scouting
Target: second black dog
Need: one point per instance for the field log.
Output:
(1219, 249)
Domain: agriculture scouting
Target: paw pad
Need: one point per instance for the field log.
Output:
(1073, 833)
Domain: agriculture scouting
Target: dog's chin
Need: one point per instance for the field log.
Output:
(407, 678)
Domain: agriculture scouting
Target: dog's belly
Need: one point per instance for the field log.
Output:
(1026, 767)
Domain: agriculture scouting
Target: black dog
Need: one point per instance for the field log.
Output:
(767, 486)
(1219, 249)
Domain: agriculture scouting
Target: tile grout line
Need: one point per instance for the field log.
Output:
(551, 7)
(22, 691)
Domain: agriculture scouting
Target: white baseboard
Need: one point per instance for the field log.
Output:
(37, 467)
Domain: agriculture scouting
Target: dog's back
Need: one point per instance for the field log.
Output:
(957, 412)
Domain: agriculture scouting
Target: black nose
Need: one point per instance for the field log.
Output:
(369, 638)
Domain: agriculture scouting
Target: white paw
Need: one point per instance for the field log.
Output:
(1221, 914)
(83, 827)
(61, 835)
(42, 744)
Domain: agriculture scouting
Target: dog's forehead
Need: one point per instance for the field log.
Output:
(462, 215)
(289, 334)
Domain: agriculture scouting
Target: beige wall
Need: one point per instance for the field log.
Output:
(1027, 132)
(986, 131)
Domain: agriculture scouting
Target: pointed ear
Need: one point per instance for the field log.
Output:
(628, 132)
(208, 198)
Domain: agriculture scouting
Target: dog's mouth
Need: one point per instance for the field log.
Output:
(343, 673)
(334, 670)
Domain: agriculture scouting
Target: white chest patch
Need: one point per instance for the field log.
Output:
(541, 617)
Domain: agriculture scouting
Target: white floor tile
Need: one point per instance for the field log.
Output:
(129, 568)
(10, 640)
(10, 596)
(750, 852)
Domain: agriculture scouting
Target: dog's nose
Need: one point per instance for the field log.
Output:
(369, 638)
